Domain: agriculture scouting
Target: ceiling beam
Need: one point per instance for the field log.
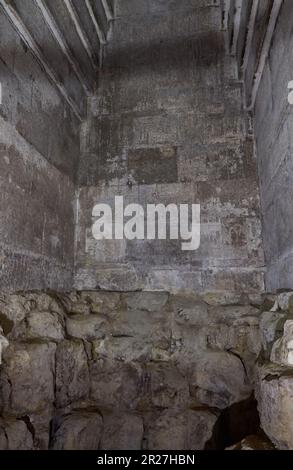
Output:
(52, 25)
(98, 29)
(81, 33)
(33, 46)
(237, 23)
(265, 51)
(107, 10)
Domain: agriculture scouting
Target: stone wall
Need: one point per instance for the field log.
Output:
(273, 134)
(137, 370)
(39, 150)
(167, 126)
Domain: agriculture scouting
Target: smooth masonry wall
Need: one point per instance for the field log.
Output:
(167, 126)
(273, 134)
(39, 149)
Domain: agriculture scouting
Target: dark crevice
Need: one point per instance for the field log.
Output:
(234, 423)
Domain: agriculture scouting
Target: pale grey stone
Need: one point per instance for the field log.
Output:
(220, 380)
(270, 323)
(28, 375)
(108, 384)
(274, 394)
(45, 325)
(86, 327)
(150, 301)
(282, 350)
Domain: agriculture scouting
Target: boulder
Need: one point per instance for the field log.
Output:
(270, 325)
(219, 380)
(274, 394)
(27, 377)
(86, 327)
(44, 325)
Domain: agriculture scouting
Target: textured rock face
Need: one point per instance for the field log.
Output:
(274, 373)
(88, 370)
(78, 431)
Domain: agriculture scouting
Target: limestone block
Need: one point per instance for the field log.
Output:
(274, 394)
(123, 348)
(43, 302)
(282, 350)
(28, 377)
(13, 309)
(219, 380)
(116, 385)
(101, 302)
(14, 435)
(181, 430)
(78, 431)
(149, 301)
(270, 323)
(122, 431)
(72, 372)
(86, 327)
(285, 300)
(45, 325)
(190, 311)
(167, 388)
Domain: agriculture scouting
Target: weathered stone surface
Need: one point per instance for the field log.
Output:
(225, 298)
(27, 377)
(4, 343)
(174, 353)
(274, 394)
(167, 388)
(43, 302)
(123, 348)
(14, 435)
(86, 327)
(282, 350)
(220, 380)
(181, 430)
(149, 301)
(270, 325)
(72, 372)
(13, 309)
(78, 431)
(45, 325)
(285, 301)
(101, 302)
(122, 431)
(189, 310)
(108, 380)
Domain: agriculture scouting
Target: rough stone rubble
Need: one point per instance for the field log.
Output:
(152, 370)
